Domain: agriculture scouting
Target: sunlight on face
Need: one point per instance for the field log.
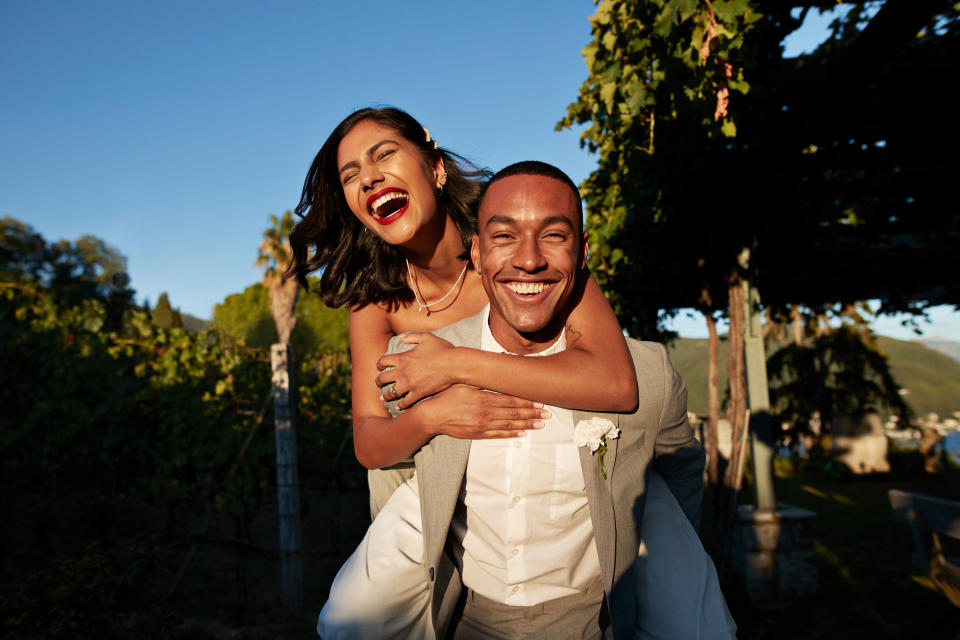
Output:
(529, 250)
(387, 183)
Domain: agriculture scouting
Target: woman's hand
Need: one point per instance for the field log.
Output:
(462, 411)
(423, 371)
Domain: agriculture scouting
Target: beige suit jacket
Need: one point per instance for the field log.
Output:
(655, 436)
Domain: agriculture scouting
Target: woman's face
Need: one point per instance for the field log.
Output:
(387, 183)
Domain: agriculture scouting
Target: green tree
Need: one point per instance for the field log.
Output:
(87, 269)
(275, 254)
(165, 316)
(319, 329)
(827, 170)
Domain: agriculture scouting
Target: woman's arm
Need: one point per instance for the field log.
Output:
(595, 373)
(461, 412)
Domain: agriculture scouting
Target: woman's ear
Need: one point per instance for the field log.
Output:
(439, 172)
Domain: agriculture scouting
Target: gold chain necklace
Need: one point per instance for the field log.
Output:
(421, 304)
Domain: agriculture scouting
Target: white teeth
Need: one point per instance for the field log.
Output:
(384, 199)
(527, 287)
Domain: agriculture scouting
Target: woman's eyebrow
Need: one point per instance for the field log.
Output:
(353, 163)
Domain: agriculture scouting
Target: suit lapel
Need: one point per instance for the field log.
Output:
(600, 497)
(441, 467)
(442, 463)
(613, 445)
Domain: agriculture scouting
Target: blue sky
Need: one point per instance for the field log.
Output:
(172, 130)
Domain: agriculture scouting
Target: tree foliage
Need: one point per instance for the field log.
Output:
(246, 316)
(71, 272)
(832, 167)
(91, 410)
(164, 316)
(832, 370)
(275, 254)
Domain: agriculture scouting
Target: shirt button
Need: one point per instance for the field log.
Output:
(517, 443)
(516, 499)
(515, 552)
(515, 589)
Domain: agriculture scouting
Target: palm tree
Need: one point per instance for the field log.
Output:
(275, 254)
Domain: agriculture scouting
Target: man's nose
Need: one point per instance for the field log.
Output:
(528, 256)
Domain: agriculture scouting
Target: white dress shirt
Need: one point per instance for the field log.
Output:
(523, 519)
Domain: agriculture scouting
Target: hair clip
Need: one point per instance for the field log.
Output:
(427, 131)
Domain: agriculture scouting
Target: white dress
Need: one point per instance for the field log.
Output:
(382, 590)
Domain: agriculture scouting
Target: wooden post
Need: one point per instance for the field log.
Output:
(288, 487)
(761, 438)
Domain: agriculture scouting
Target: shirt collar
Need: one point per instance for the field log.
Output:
(489, 343)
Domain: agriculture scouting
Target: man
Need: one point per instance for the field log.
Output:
(544, 535)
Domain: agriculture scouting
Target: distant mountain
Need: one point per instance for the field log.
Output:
(949, 347)
(932, 378)
(193, 323)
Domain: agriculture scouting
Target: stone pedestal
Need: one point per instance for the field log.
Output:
(773, 552)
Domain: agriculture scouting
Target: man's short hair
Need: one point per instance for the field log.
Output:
(537, 168)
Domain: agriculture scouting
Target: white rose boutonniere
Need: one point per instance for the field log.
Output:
(593, 433)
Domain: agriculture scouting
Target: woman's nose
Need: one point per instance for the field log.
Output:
(370, 175)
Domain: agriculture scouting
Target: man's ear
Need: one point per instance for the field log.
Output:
(584, 250)
(475, 252)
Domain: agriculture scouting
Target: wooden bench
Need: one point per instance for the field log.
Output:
(929, 518)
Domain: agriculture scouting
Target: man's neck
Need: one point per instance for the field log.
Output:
(524, 343)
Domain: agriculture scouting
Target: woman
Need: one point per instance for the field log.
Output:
(390, 215)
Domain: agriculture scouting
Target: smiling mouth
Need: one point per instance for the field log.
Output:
(527, 288)
(389, 206)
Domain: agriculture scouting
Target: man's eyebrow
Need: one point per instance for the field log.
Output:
(500, 220)
(353, 163)
(504, 219)
(558, 220)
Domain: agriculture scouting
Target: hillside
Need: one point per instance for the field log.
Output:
(932, 378)
(193, 323)
(943, 345)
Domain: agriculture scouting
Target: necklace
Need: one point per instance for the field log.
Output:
(421, 304)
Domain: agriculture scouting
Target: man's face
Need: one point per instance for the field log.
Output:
(529, 251)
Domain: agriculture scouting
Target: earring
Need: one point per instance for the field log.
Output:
(440, 191)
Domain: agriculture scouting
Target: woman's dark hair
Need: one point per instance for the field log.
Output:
(358, 266)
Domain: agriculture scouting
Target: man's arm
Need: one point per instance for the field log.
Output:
(678, 456)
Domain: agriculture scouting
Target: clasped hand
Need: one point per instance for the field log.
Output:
(418, 373)
(457, 410)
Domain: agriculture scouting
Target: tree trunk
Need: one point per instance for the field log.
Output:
(724, 503)
(283, 300)
(737, 406)
(713, 403)
(288, 488)
(796, 324)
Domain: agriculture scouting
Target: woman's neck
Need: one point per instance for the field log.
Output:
(436, 257)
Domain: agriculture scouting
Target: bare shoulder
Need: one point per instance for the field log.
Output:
(370, 318)
(370, 331)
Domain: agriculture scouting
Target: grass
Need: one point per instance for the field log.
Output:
(869, 589)
(868, 586)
